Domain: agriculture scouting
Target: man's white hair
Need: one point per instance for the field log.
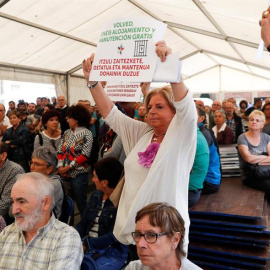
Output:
(43, 185)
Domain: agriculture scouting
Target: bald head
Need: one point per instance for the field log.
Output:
(229, 108)
(200, 103)
(216, 106)
(61, 101)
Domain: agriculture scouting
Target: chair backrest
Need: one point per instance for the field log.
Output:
(88, 264)
(70, 209)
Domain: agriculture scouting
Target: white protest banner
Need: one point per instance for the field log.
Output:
(129, 92)
(168, 71)
(126, 50)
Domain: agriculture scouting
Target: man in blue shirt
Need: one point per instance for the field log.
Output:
(213, 176)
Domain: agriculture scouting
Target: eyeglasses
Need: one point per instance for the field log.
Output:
(38, 164)
(149, 237)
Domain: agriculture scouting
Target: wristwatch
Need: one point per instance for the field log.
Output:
(91, 86)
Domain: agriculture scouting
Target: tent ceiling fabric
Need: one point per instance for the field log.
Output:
(55, 36)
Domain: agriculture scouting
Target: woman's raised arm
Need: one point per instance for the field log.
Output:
(103, 102)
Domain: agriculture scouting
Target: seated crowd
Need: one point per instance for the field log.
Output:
(50, 150)
(57, 141)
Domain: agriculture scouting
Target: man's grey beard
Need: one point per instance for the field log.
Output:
(29, 221)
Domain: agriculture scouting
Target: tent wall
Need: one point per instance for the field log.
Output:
(77, 86)
(78, 90)
(13, 74)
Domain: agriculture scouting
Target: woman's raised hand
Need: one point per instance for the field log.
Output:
(145, 88)
(162, 50)
(87, 66)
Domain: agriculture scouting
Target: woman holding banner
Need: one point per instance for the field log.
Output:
(159, 154)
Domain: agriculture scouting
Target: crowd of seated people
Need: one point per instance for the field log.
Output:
(65, 157)
(33, 139)
(30, 125)
(233, 124)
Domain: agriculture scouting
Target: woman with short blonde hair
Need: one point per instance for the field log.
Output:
(254, 148)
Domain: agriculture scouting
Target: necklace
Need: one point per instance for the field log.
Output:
(156, 136)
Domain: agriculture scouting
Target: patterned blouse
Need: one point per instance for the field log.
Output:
(75, 149)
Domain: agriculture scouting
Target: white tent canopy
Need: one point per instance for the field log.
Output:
(45, 41)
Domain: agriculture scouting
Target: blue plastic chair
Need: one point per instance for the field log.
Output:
(70, 209)
(88, 264)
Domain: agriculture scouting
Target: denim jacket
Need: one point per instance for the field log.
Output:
(105, 239)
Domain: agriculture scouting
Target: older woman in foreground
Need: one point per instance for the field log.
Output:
(159, 154)
(159, 235)
(254, 148)
(221, 130)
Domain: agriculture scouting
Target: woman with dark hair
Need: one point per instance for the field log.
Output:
(74, 153)
(243, 106)
(16, 137)
(159, 236)
(96, 225)
(52, 134)
(40, 127)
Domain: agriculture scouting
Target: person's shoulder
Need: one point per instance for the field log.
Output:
(201, 140)
(136, 265)
(55, 177)
(188, 265)
(265, 136)
(15, 167)
(23, 127)
(242, 138)
(237, 117)
(65, 230)
(249, 110)
(9, 231)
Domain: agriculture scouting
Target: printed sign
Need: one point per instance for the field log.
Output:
(130, 92)
(126, 50)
